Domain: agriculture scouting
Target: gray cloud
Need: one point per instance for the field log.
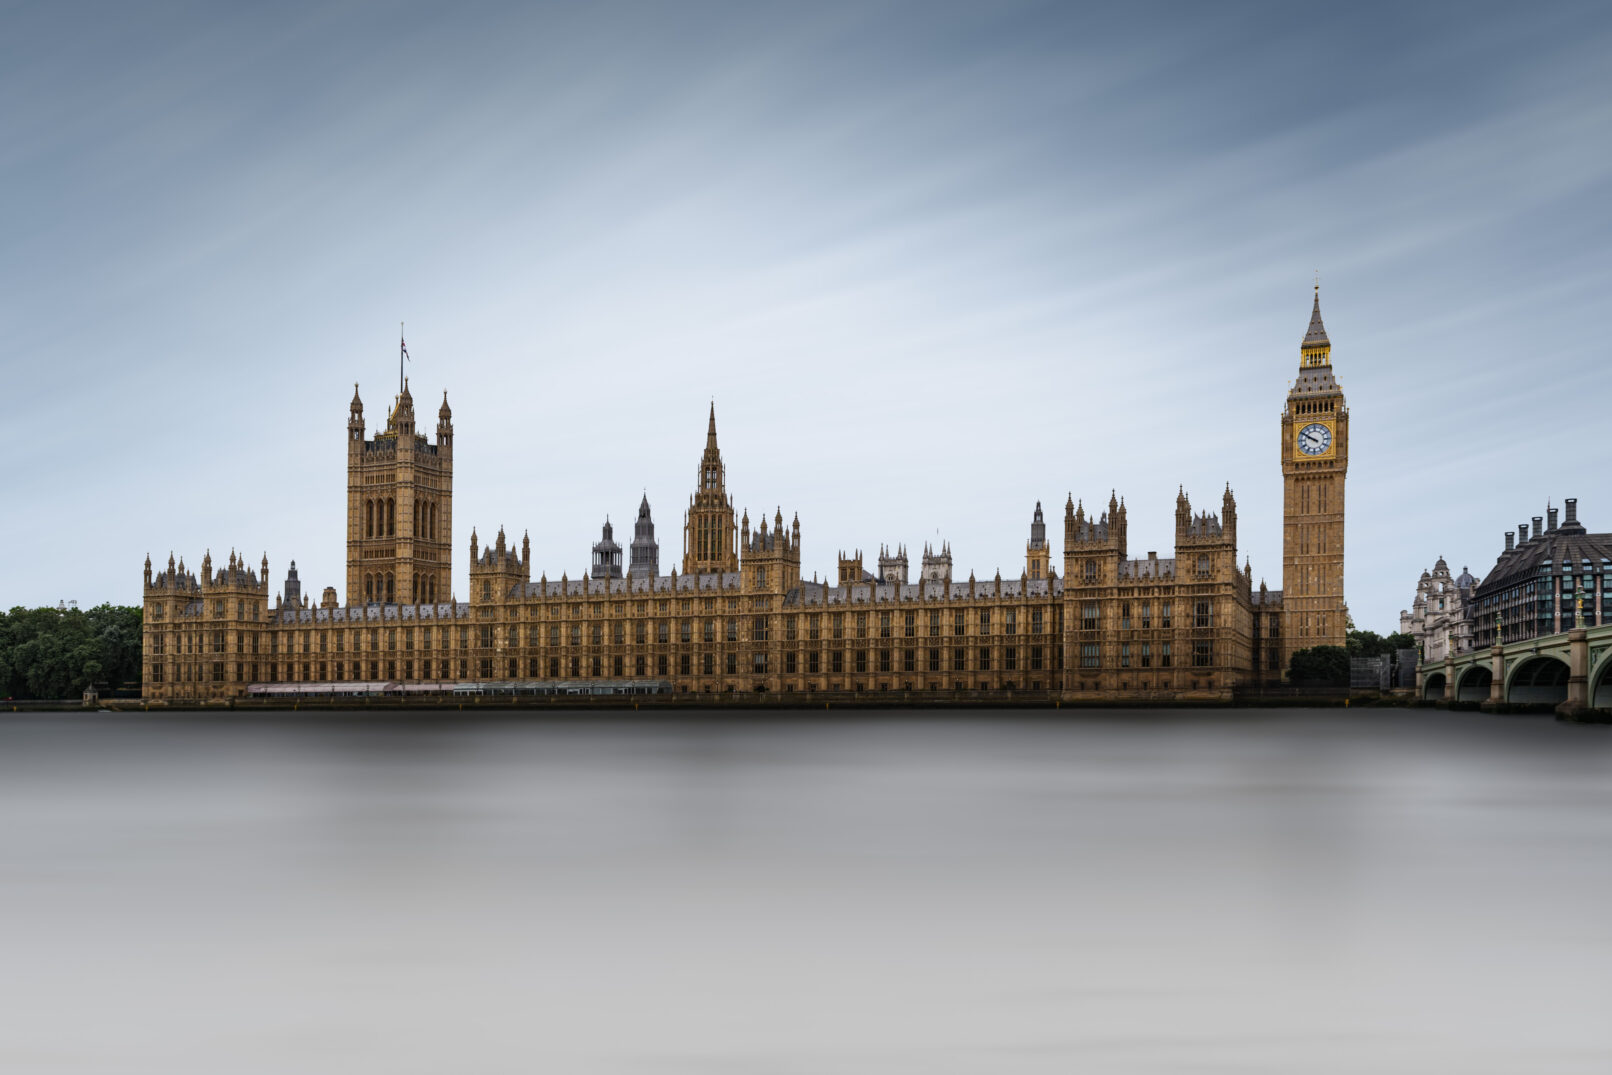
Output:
(934, 262)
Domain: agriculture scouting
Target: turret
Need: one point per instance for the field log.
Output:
(293, 586)
(1094, 547)
(893, 565)
(644, 560)
(355, 423)
(1037, 556)
(769, 559)
(606, 555)
(850, 568)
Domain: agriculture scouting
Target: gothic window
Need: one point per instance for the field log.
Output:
(391, 588)
(1091, 570)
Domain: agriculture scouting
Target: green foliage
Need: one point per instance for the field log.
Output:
(1320, 666)
(1371, 644)
(48, 653)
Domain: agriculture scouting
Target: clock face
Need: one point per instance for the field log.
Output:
(1314, 439)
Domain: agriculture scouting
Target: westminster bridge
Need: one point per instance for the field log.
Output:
(1571, 670)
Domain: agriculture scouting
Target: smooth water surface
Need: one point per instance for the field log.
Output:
(1189, 891)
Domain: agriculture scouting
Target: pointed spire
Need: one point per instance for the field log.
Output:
(1317, 334)
(710, 429)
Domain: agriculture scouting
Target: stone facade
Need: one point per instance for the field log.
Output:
(1315, 459)
(399, 508)
(1439, 618)
(739, 616)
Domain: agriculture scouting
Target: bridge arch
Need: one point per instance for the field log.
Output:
(1433, 687)
(1472, 685)
(1539, 679)
(1600, 688)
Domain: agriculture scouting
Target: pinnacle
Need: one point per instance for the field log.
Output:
(1317, 334)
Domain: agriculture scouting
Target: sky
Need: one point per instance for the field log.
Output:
(932, 262)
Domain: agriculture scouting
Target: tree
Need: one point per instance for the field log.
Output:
(56, 653)
(1320, 666)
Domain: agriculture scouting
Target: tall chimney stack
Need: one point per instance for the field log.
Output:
(1508, 540)
(1522, 533)
(1539, 530)
(1572, 510)
(1551, 512)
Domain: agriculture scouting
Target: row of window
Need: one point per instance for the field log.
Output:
(862, 661)
(812, 662)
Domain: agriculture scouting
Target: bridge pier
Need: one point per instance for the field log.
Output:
(1577, 706)
(1497, 680)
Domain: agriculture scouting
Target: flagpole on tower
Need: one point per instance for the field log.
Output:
(402, 353)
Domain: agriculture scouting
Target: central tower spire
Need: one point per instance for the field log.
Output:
(709, 535)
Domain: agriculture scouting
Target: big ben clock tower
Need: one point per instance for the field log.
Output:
(1315, 458)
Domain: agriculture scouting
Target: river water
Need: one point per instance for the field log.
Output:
(1174, 891)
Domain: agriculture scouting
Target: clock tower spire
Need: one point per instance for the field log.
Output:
(1315, 459)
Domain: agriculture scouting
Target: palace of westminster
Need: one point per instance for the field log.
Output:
(736, 615)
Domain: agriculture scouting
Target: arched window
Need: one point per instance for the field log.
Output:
(391, 588)
(369, 588)
(433, 521)
(369, 518)
(391, 517)
(433, 591)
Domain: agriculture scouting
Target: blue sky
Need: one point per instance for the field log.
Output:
(933, 262)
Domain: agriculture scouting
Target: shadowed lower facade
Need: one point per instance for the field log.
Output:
(737, 615)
